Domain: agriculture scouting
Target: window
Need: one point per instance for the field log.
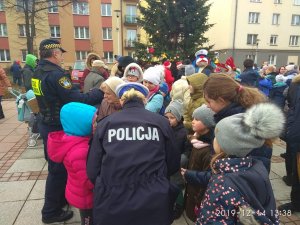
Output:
(109, 57)
(272, 59)
(80, 8)
(273, 39)
(4, 55)
(3, 30)
(105, 9)
(251, 39)
(55, 31)
(130, 14)
(82, 33)
(131, 38)
(296, 2)
(20, 6)
(107, 33)
(294, 40)
(24, 52)
(53, 7)
(81, 55)
(296, 20)
(1, 5)
(253, 17)
(255, 0)
(22, 30)
(275, 18)
(277, 1)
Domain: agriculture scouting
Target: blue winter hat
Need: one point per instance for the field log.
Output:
(77, 118)
(122, 88)
(163, 87)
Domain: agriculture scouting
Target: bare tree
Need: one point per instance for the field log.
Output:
(30, 11)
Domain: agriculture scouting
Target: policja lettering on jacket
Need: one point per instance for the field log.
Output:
(133, 134)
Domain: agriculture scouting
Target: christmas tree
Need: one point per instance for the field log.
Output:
(175, 27)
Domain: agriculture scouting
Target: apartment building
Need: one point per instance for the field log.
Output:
(107, 27)
(264, 30)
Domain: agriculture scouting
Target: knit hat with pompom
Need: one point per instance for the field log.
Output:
(239, 134)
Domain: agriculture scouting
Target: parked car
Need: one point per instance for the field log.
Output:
(77, 74)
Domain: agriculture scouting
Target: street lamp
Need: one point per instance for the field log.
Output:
(118, 12)
(256, 51)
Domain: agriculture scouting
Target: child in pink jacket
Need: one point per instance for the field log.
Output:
(70, 146)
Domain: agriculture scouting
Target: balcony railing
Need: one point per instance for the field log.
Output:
(129, 43)
(130, 19)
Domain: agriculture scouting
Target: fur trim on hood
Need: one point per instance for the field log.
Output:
(296, 79)
(89, 58)
(137, 71)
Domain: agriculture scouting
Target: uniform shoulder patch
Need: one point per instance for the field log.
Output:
(65, 82)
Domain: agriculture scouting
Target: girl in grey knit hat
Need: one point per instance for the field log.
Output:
(238, 185)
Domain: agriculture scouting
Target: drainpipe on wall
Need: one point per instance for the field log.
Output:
(234, 28)
(121, 26)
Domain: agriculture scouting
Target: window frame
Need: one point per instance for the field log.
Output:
(81, 55)
(273, 39)
(275, 18)
(296, 2)
(109, 56)
(23, 29)
(55, 29)
(277, 1)
(255, 1)
(254, 38)
(53, 6)
(294, 16)
(107, 33)
(108, 11)
(3, 30)
(294, 40)
(1, 5)
(6, 55)
(85, 31)
(253, 18)
(272, 59)
(78, 10)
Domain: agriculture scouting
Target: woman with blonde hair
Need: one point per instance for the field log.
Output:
(110, 103)
(132, 154)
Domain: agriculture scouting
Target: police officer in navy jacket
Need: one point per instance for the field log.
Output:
(53, 89)
(132, 154)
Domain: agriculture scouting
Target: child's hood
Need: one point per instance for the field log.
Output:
(31, 60)
(59, 144)
(77, 118)
(197, 81)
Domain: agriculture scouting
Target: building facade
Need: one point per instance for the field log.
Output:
(264, 30)
(106, 27)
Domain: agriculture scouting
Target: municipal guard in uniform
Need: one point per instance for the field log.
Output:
(53, 89)
(132, 154)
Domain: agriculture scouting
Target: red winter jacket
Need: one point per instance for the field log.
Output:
(169, 78)
(72, 151)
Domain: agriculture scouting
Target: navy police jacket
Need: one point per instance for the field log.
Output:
(132, 154)
(53, 89)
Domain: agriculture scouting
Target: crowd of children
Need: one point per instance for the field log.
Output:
(203, 141)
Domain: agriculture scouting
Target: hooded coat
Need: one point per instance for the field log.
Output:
(71, 147)
(28, 70)
(197, 99)
(131, 171)
(4, 82)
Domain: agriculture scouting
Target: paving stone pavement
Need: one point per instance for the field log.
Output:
(23, 172)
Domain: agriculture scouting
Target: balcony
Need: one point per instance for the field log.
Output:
(129, 43)
(130, 20)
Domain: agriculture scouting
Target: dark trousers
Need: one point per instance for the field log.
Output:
(56, 180)
(17, 80)
(295, 193)
(290, 154)
(86, 216)
(1, 109)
